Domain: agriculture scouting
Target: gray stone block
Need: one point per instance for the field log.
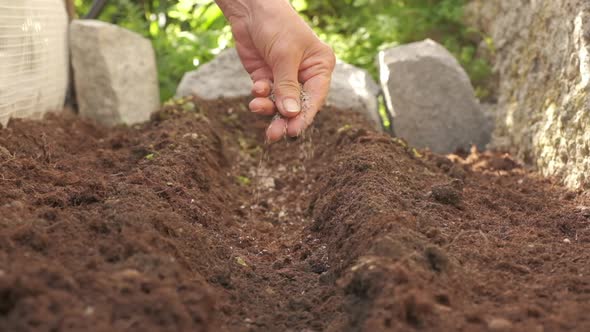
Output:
(223, 77)
(431, 98)
(115, 73)
(351, 89)
(354, 89)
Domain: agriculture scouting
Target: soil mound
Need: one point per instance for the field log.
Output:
(191, 223)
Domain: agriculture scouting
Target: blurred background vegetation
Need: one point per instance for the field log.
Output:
(188, 33)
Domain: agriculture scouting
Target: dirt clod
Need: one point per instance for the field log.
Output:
(448, 194)
(437, 258)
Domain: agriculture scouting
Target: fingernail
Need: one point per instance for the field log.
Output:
(291, 105)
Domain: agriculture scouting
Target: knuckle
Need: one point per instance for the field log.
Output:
(326, 58)
(332, 60)
(331, 63)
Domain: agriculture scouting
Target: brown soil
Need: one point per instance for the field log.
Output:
(190, 223)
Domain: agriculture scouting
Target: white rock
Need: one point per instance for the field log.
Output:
(115, 73)
(351, 89)
(431, 97)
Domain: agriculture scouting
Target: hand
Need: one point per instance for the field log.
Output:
(279, 51)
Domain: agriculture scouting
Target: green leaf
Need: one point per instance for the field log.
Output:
(241, 261)
(243, 180)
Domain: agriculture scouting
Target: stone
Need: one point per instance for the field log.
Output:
(431, 99)
(223, 77)
(351, 89)
(115, 73)
(542, 60)
(354, 89)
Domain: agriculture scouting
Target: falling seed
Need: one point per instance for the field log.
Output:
(89, 311)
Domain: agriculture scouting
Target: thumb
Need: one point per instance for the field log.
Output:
(287, 88)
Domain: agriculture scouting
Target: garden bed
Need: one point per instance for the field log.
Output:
(191, 223)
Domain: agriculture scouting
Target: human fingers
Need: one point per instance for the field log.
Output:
(286, 86)
(276, 130)
(262, 88)
(262, 106)
(315, 91)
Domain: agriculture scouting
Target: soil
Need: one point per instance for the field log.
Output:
(191, 223)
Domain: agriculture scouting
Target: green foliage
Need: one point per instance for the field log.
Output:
(194, 32)
(186, 33)
(358, 29)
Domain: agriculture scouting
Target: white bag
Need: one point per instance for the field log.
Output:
(33, 57)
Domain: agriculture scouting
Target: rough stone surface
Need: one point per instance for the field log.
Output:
(115, 73)
(224, 77)
(542, 57)
(354, 88)
(431, 98)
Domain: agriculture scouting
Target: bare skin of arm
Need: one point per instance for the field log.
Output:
(279, 50)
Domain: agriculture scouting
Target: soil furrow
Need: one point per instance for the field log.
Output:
(191, 223)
